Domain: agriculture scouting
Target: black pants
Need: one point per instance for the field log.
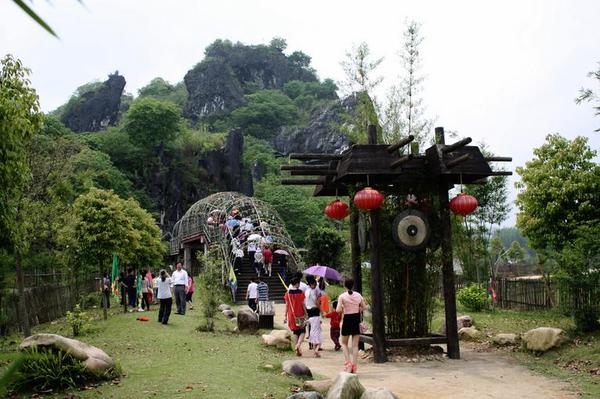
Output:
(180, 298)
(165, 310)
(252, 303)
(105, 297)
(132, 297)
(145, 301)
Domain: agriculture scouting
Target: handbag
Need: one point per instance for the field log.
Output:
(362, 326)
(299, 321)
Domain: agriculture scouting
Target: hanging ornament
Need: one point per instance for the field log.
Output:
(463, 204)
(368, 199)
(337, 210)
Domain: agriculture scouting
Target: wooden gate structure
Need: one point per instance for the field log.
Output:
(391, 169)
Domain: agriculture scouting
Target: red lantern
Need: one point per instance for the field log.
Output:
(368, 199)
(337, 210)
(463, 204)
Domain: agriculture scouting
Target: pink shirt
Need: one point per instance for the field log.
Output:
(350, 304)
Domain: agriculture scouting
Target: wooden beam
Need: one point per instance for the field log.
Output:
(498, 159)
(457, 145)
(316, 172)
(458, 160)
(304, 167)
(401, 143)
(501, 173)
(415, 341)
(301, 182)
(372, 134)
(401, 160)
(378, 317)
(308, 156)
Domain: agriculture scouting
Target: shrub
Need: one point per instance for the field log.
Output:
(212, 292)
(473, 297)
(586, 319)
(77, 320)
(48, 369)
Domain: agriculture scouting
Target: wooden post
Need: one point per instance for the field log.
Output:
(376, 294)
(355, 250)
(447, 263)
(375, 258)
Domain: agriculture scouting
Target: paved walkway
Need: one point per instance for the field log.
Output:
(475, 375)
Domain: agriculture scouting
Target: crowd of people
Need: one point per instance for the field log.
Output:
(306, 305)
(139, 290)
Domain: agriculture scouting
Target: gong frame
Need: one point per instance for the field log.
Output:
(390, 169)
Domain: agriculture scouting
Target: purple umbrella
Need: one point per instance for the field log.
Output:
(324, 271)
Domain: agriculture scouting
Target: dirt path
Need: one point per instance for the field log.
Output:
(475, 375)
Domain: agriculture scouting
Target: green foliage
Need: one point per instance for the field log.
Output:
(150, 122)
(77, 320)
(278, 43)
(588, 95)
(160, 89)
(47, 369)
(20, 119)
(473, 297)
(325, 246)
(259, 153)
(586, 319)
(210, 286)
(101, 224)
(325, 90)
(559, 192)
(265, 111)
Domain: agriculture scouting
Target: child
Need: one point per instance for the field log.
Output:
(334, 331)
(314, 335)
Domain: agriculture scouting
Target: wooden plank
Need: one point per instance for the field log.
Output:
(315, 172)
(401, 143)
(379, 355)
(415, 341)
(308, 156)
(304, 167)
(457, 145)
(458, 160)
(501, 173)
(498, 159)
(301, 182)
(401, 160)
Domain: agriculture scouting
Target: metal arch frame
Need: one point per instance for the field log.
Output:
(195, 222)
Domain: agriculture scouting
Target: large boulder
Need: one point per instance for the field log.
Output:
(505, 339)
(469, 334)
(281, 339)
(306, 395)
(296, 368)
(229, 314)
(464, 321)
(321, 386)
(543, 339)
(345, 386)
(378, 393)
(92, 358)
(247, 320)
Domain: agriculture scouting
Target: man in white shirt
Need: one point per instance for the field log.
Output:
(180, 282)
(252, 294)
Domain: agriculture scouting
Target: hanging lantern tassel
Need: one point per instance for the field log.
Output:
(463, 204)
(368, 199)
(337, 210)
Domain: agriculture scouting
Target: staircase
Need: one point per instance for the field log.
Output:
(276, 287)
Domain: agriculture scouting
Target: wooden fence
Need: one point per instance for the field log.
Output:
(526, 294)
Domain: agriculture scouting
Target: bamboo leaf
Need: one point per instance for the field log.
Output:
(34, 16)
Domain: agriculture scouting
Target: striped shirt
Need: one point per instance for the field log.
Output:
(263, 291)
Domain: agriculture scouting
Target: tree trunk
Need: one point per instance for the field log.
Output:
(23, 314)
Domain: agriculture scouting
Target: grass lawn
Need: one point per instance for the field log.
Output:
(176, 360)
(577, 362)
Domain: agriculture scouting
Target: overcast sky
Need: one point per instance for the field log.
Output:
(506, 73)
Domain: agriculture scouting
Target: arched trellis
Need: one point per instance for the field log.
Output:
(205, 221)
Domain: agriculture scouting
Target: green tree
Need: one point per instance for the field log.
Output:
(559, 191)
(325, 246)
(589, 95)
(279, 43)
(360, 81)
(151, 122)
(264, 113)
(404, 113)
(160, 89)
(20, 119)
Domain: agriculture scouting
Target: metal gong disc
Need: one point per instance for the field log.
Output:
(411, 230)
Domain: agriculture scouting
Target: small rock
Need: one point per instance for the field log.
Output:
(278, 338)
(505, 339)
(306, 395)
(378, 393)
(345, 386)
(234, 320)
(268, 367)
(543, 339)
(321, 386)
(469, 334)
(296, 368)
(224, 306)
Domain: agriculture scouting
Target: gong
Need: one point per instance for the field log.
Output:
(411, 230)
